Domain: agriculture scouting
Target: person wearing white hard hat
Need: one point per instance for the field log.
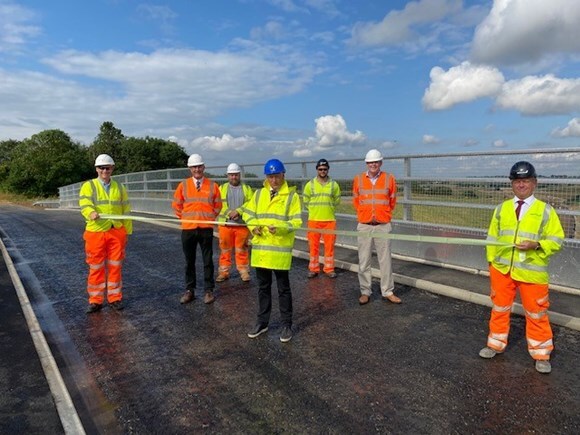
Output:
(197, 202)
(234, 236)
(374, 196)
(105, 239)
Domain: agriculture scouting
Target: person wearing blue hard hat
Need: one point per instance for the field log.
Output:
(272, 216)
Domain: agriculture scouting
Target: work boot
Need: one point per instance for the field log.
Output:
(331, 274)
(245, 276)
(312, 274)
(286, 334)
(117, 305)
(187, 297)
(208, 298)
(222, 276)
(257, 330)
(488, 353)
(543, 366)
(364, 299)
(93, 308)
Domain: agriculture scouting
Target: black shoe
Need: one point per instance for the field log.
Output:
(93, 308)
(117, 305)
(286, 334)
(258, 330)
(312, 274)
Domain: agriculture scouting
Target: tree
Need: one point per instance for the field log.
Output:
(110, 140)
(45, 162)
(6, 151)
(147, 154)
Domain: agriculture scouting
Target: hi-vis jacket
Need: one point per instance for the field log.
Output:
(94, 197)
(321, 199)
(273, 251)
(246, 190)
(540, 224)
(374, 203)
(189, 204)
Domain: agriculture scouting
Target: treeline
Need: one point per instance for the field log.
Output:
(38, 165)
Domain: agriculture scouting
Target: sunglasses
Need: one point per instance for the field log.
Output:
(322, 169)
(105, 168)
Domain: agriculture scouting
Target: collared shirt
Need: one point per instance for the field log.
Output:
(375, 178)
(106, 186)
(525, 206)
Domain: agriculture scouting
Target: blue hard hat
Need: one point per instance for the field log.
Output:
(274, 166)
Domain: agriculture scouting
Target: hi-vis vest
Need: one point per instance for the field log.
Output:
(540, 224)
(273, 251)
(246, 190)
(94, 197)
(321, 199)
(374, 203)
(189, 204)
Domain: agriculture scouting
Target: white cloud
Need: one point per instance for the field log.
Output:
(331, 133)
(572, 129)
(397, 26)
(225, 143)
(16, 26)
(133, 89)
(499, 143)
(461, 84)
(429, 139)
(471, 143)
(524, 31)
(544, 95)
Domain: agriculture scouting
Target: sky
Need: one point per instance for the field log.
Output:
(246, 80)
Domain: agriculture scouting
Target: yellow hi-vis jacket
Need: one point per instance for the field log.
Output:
(94, 197)
(540, 224)
(320, 200)
(273, 251)
(246, 190)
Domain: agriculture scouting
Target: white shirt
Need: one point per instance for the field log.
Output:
(525, 206)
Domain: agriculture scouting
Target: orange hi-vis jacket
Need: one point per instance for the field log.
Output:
(374, 203)
(191, 204)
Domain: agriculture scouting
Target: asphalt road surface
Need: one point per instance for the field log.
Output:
(160, 367)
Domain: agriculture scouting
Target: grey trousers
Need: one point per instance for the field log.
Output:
(365, 250)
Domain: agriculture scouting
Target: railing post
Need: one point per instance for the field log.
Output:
(407, 208)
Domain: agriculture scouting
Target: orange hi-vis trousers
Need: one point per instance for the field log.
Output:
(105, 252)
(234, 238)
(314, 243)
(535, 302)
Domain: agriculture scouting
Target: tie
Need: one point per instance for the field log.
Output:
(197, 185)
(518, 208)
(273, 193)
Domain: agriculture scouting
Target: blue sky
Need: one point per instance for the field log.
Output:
(298, 79)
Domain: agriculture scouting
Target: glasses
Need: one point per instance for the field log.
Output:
(105, 168)
(322, 169)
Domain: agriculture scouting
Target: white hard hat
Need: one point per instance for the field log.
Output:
(233, 168)
(104, 160)
(194, 160)
(373, 156)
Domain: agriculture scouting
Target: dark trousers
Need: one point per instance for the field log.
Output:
(265, 295)
(189, 241)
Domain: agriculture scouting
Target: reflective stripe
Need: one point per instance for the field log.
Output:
(527, 266)
(526, 235)
(115, 262)
(497, 344)
(97, 293)
(558, 240)
(285, 249)
(114, 291)
(96, 266)
(543, 300)
(501, 309)
(537, 315)
(536, 343)
(507, 233)
(96, 286)
(534, 352)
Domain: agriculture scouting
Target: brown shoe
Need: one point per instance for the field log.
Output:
(392, 298)
(208, 298)
(187, 297)
(364, 299)
(222, 276)
(245, 276)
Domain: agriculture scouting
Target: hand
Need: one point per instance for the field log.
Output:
(257, 231)
(272, 229)
(233, 214)
(94, 216)
(527, 245)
